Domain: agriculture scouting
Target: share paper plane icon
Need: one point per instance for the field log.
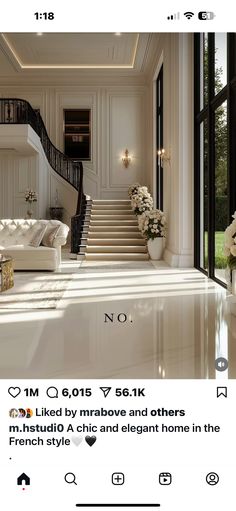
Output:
(105, 390)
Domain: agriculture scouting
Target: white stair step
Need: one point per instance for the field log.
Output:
(116, 257)
(113, 222)
(82, 249)
(114, 217)
(111, 207)
(116, 241)
(107, 212)
(116, 248)
(114, 228)
(110, 201)
(114, 234)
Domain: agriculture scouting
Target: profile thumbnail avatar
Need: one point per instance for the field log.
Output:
(29, 413)
(21, 413)
(13, 412)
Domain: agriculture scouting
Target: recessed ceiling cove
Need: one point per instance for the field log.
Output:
(72, 51)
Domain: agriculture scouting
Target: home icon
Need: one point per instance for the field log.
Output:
(23, 479)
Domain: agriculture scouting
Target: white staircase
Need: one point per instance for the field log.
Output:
(111, 233)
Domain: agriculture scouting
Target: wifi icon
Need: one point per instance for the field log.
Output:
(189, 14)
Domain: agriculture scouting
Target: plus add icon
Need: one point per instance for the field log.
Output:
(118, 478)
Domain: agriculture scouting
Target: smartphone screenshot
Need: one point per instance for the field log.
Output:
(117, 256)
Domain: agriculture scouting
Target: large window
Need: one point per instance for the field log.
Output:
(215, 148)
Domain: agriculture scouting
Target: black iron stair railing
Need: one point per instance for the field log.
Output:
(19, 111)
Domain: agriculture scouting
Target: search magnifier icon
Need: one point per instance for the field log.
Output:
(70, 478)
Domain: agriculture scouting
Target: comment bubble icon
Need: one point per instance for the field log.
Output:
(52, 392)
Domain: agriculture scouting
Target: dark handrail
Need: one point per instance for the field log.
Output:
(19, 111)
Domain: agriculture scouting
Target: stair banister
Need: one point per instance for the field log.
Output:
(19, 111)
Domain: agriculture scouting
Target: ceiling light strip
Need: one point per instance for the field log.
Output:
(69, 66)
(16, 57)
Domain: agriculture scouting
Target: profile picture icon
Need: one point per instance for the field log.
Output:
(21, 413)
(13, 412)
(29, 413)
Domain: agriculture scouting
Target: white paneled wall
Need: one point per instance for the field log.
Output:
(125, 130)
(118, 116)
(16, 175)
(176, 54)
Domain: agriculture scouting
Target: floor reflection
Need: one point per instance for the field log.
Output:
(122, 321)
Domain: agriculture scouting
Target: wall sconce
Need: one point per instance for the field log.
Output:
(126, 159)
(163, 156)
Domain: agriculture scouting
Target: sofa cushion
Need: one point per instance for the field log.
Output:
(38, 236)
(18, 232)
(21, 252)
(50, 235)
(21, 232)
(61, 235)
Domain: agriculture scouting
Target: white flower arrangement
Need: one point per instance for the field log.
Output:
(30, 196)
(153, 224)
(230, 243)
(141, 200)
(133, 189)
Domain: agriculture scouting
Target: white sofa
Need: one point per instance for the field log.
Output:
(16, 236)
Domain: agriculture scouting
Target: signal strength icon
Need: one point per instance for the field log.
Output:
(189, 14)
(175, 16)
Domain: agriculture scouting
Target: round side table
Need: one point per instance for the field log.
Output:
(7, 272)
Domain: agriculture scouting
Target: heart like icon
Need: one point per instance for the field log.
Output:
(77, 440)
(90, 440)
(14, 391)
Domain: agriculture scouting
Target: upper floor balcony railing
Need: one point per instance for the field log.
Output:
(19, 111)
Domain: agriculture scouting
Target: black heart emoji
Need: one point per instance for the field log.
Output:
(90, 440)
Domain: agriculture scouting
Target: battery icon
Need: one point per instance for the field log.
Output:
(206, 15)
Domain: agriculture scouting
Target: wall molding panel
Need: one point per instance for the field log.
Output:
(176, 52)
(119, 119)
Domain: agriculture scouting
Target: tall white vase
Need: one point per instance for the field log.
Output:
(155, 248)
(234, 282)
(230, 279)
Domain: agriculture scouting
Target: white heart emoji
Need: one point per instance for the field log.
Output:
(77, 440)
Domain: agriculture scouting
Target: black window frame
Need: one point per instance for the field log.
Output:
(159, 139)
(228, 93)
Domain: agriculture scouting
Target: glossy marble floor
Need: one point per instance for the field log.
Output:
(122, 320)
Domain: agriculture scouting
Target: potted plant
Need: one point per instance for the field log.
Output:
(30, 197)
(153, 226)
(141, 200)
(230, 252)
